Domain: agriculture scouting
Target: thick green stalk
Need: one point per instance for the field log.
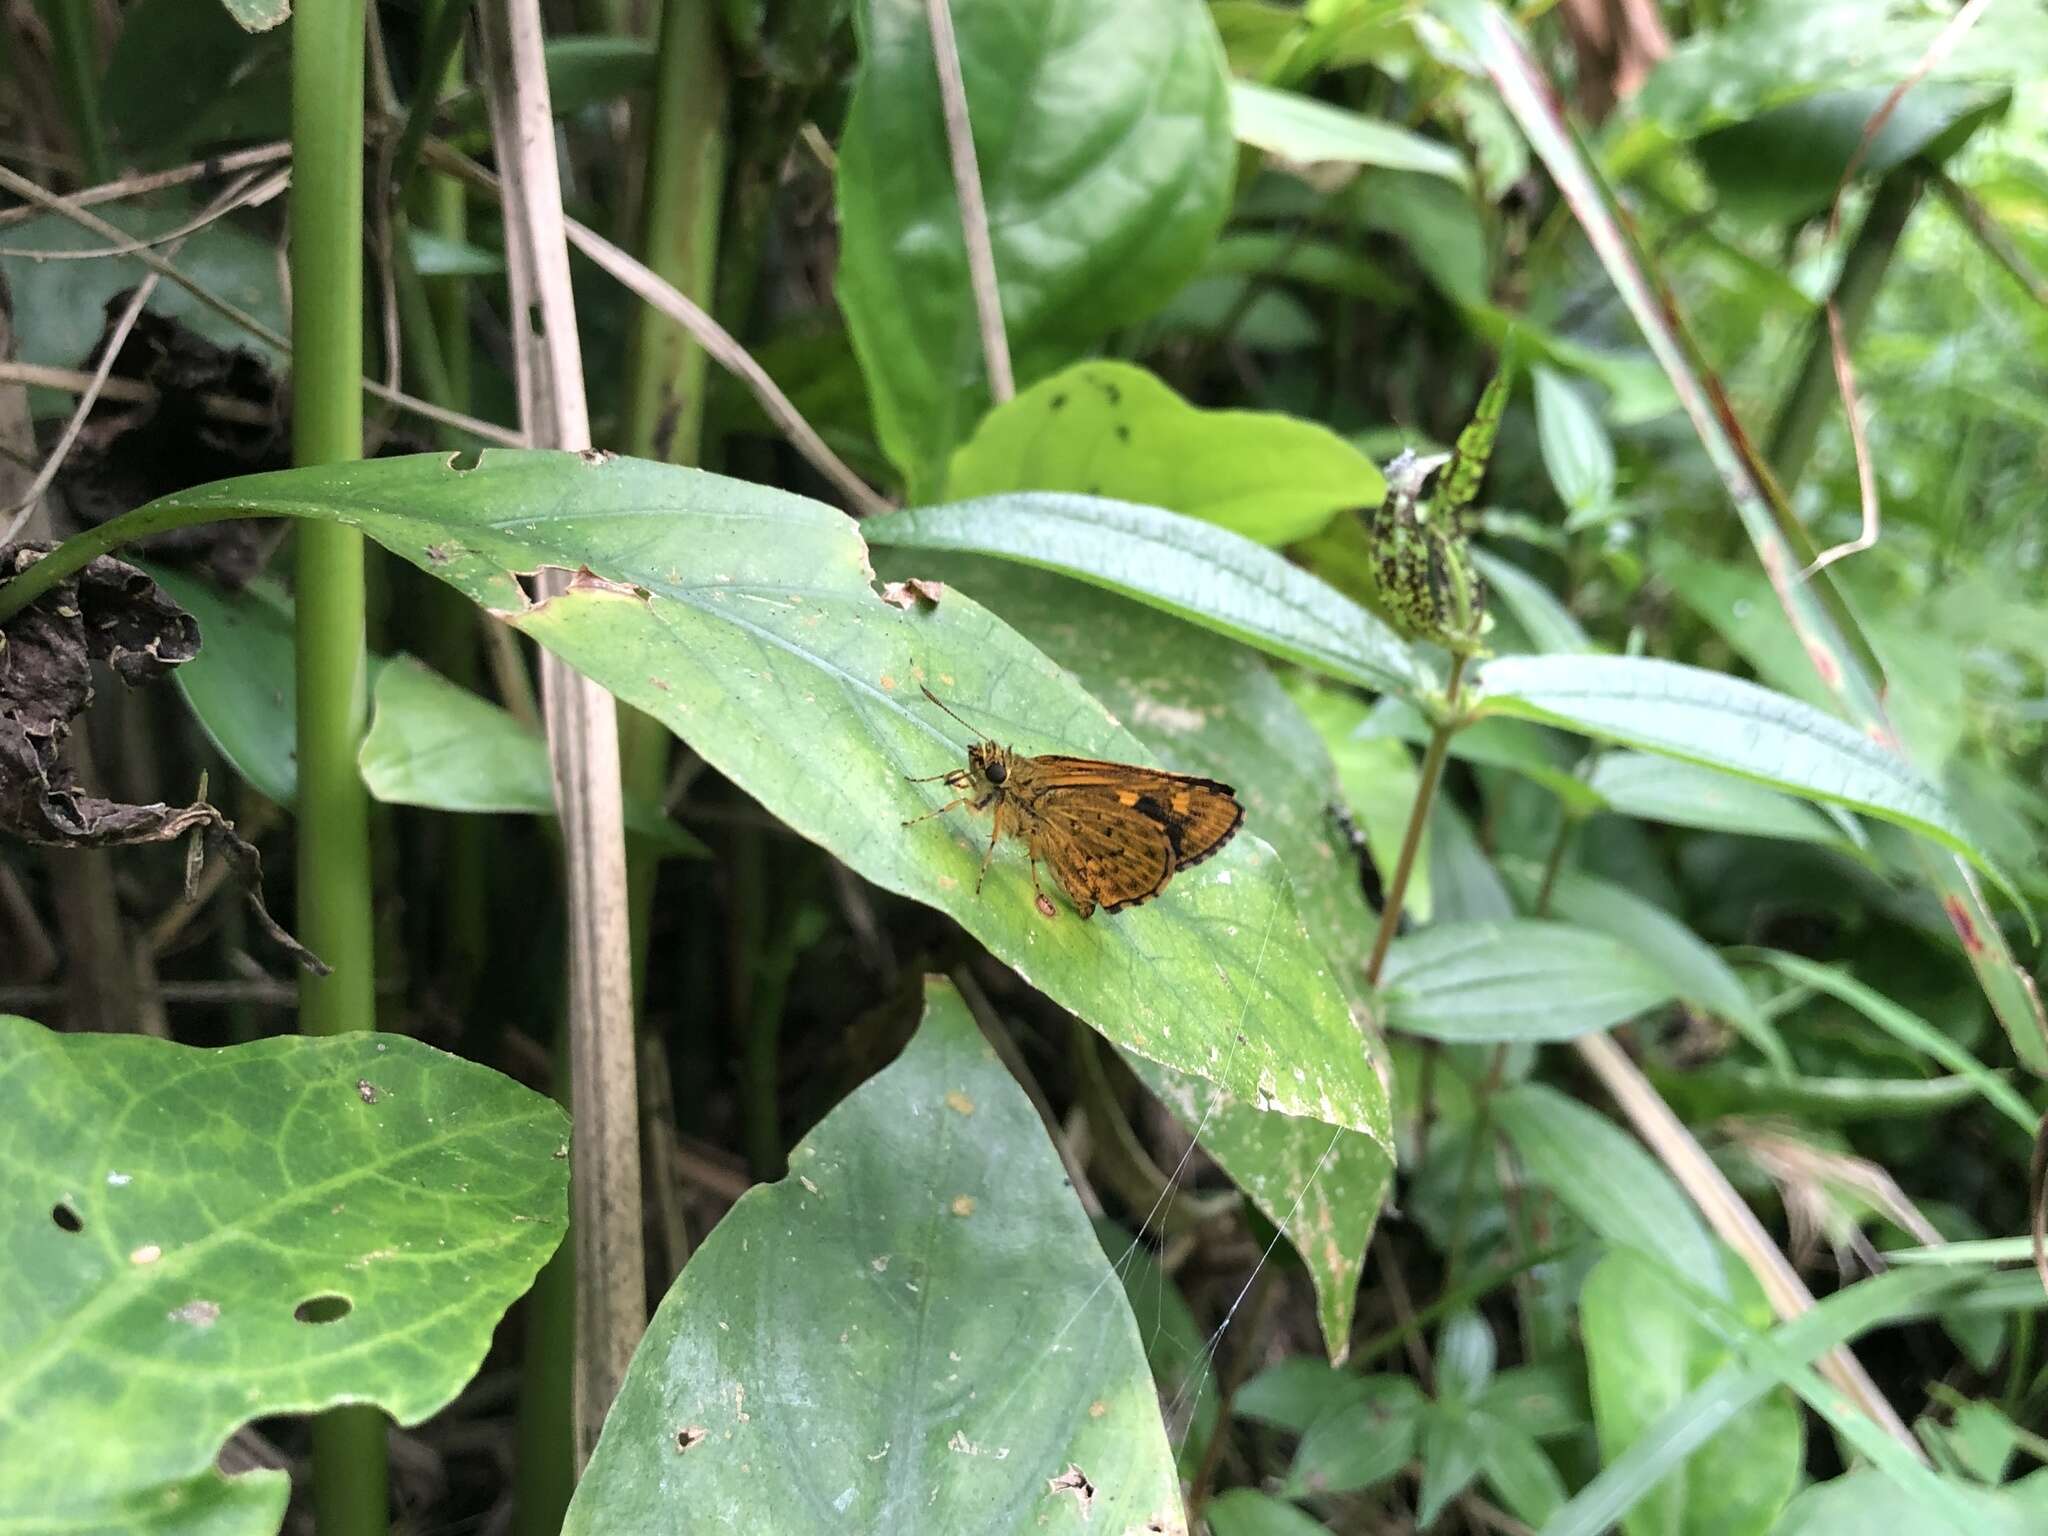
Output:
(78, 67)
(665, 368)
(350, 1474)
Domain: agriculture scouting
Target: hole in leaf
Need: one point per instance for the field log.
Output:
(323, 1309)
(66, 1217)
(689, 1435)
(464, 460)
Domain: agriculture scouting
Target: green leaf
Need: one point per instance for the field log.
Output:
(1683, 794)
(1645, 1350)
(1291, 1394)
(1361, 1439)
(1182, 1370)
(251, 1504)
(1784, 165)
(437, 745)
(1114, 430)
(1450, 1451)
(1721, 722)
(1840, 654)
(242, 687)
(1524, 1479)
(1781, 1357)
(1208, 706)
(1602, 1175)
(1311, 134)
(1322, 1185)
(1099, 208)
(1907, 1027)
(182, 76)
(167, 1210)
(1522, 979)
(745, 620)
(1576, 449)
(1698, 975)
(1247, 1512)
(915, 1330)
(59, 305)
(1865, 1500)
(1776, 54)
(1204, 574)
(1546, 622)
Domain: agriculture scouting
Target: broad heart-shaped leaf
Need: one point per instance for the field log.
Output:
(915, 1331)
(1207, 706)
(1522, 979)
(1309, 133)
(1722, 722)
(166, 1210)
(1202, 573)
(1102, 128)
(1646, 1347)
(1111, 429)
(746, 620)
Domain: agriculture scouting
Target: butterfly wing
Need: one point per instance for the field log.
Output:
(1199, 815)
(1103, 852)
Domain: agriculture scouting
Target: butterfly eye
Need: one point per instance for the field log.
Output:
(997, 771)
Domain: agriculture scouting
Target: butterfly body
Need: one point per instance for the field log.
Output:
(1113, 834)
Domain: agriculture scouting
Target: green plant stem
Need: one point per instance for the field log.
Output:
(665, 367)
(78, 68)
(1433, 757)
(350, 1473)
(1814, 395)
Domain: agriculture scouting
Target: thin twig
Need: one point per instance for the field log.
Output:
(716, 341)
(583, 748)
(981, 252)
(1838, 343)
(157, 181)
(75, 381)
(253, 190)
(1729, 1215)
(21, 186)
(116, 338)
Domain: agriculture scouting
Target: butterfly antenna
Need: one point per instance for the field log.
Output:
(978, 736)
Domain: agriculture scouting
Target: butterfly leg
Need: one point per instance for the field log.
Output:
(950, 805)
(988, 858)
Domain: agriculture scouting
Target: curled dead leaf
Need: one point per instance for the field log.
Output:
(113, 613)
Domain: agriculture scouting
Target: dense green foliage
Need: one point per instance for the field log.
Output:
(1634, 931)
